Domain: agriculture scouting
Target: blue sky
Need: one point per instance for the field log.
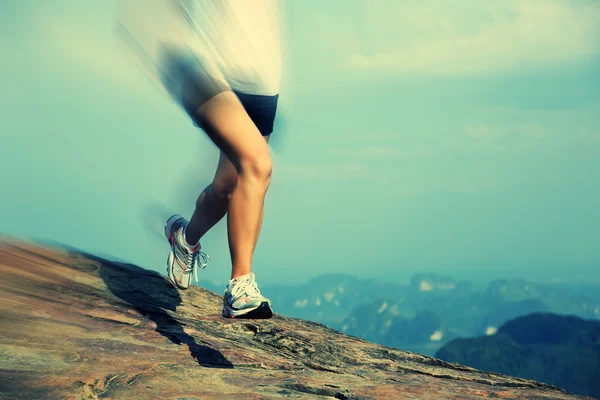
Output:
(435, 136)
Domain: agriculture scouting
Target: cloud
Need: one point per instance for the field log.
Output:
(594, 137)
(418, 182)
(320, 171)
(487, 132)
(370, 153)
(506, 137)
(475, 37)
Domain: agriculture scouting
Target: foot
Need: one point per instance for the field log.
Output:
(183, 258)
(242, 299)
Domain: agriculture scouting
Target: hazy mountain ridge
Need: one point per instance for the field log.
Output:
(429, 311)
(76, 326)
(559, 350)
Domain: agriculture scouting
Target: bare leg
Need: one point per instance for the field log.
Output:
(213, 202)
(231, 129)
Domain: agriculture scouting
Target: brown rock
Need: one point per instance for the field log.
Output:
(75, 326)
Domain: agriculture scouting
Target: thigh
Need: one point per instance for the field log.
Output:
(228, 125)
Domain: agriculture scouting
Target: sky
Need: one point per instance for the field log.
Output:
(451, 137)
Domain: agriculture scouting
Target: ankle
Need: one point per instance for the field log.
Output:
(241, 274)
(186, 239)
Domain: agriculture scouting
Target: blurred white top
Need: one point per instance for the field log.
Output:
(235, 41)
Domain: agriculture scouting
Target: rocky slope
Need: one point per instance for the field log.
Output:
(431, 310)
(75, 326)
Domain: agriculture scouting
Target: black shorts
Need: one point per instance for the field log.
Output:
(261, 109)
(186, 81)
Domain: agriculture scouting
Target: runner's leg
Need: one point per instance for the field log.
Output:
(226, 122)
(213, 202)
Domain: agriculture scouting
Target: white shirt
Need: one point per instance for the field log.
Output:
(234, 41)
(243, 38)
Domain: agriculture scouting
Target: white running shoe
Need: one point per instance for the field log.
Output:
(183, 258)
(242, 299)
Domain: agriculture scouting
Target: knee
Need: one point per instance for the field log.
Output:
(258, 167)
(222, 188)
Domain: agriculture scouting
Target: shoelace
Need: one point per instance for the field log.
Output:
(247, 286)
(191, 258)
(252, 289)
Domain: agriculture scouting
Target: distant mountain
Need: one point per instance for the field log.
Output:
(429, 311)
(559, 350)
(76, 326)
(407, 317)
(327, 299)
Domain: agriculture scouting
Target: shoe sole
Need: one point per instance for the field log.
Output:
(263, 311)
(170, 274)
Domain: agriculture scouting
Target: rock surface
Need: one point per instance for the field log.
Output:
(75, 326)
